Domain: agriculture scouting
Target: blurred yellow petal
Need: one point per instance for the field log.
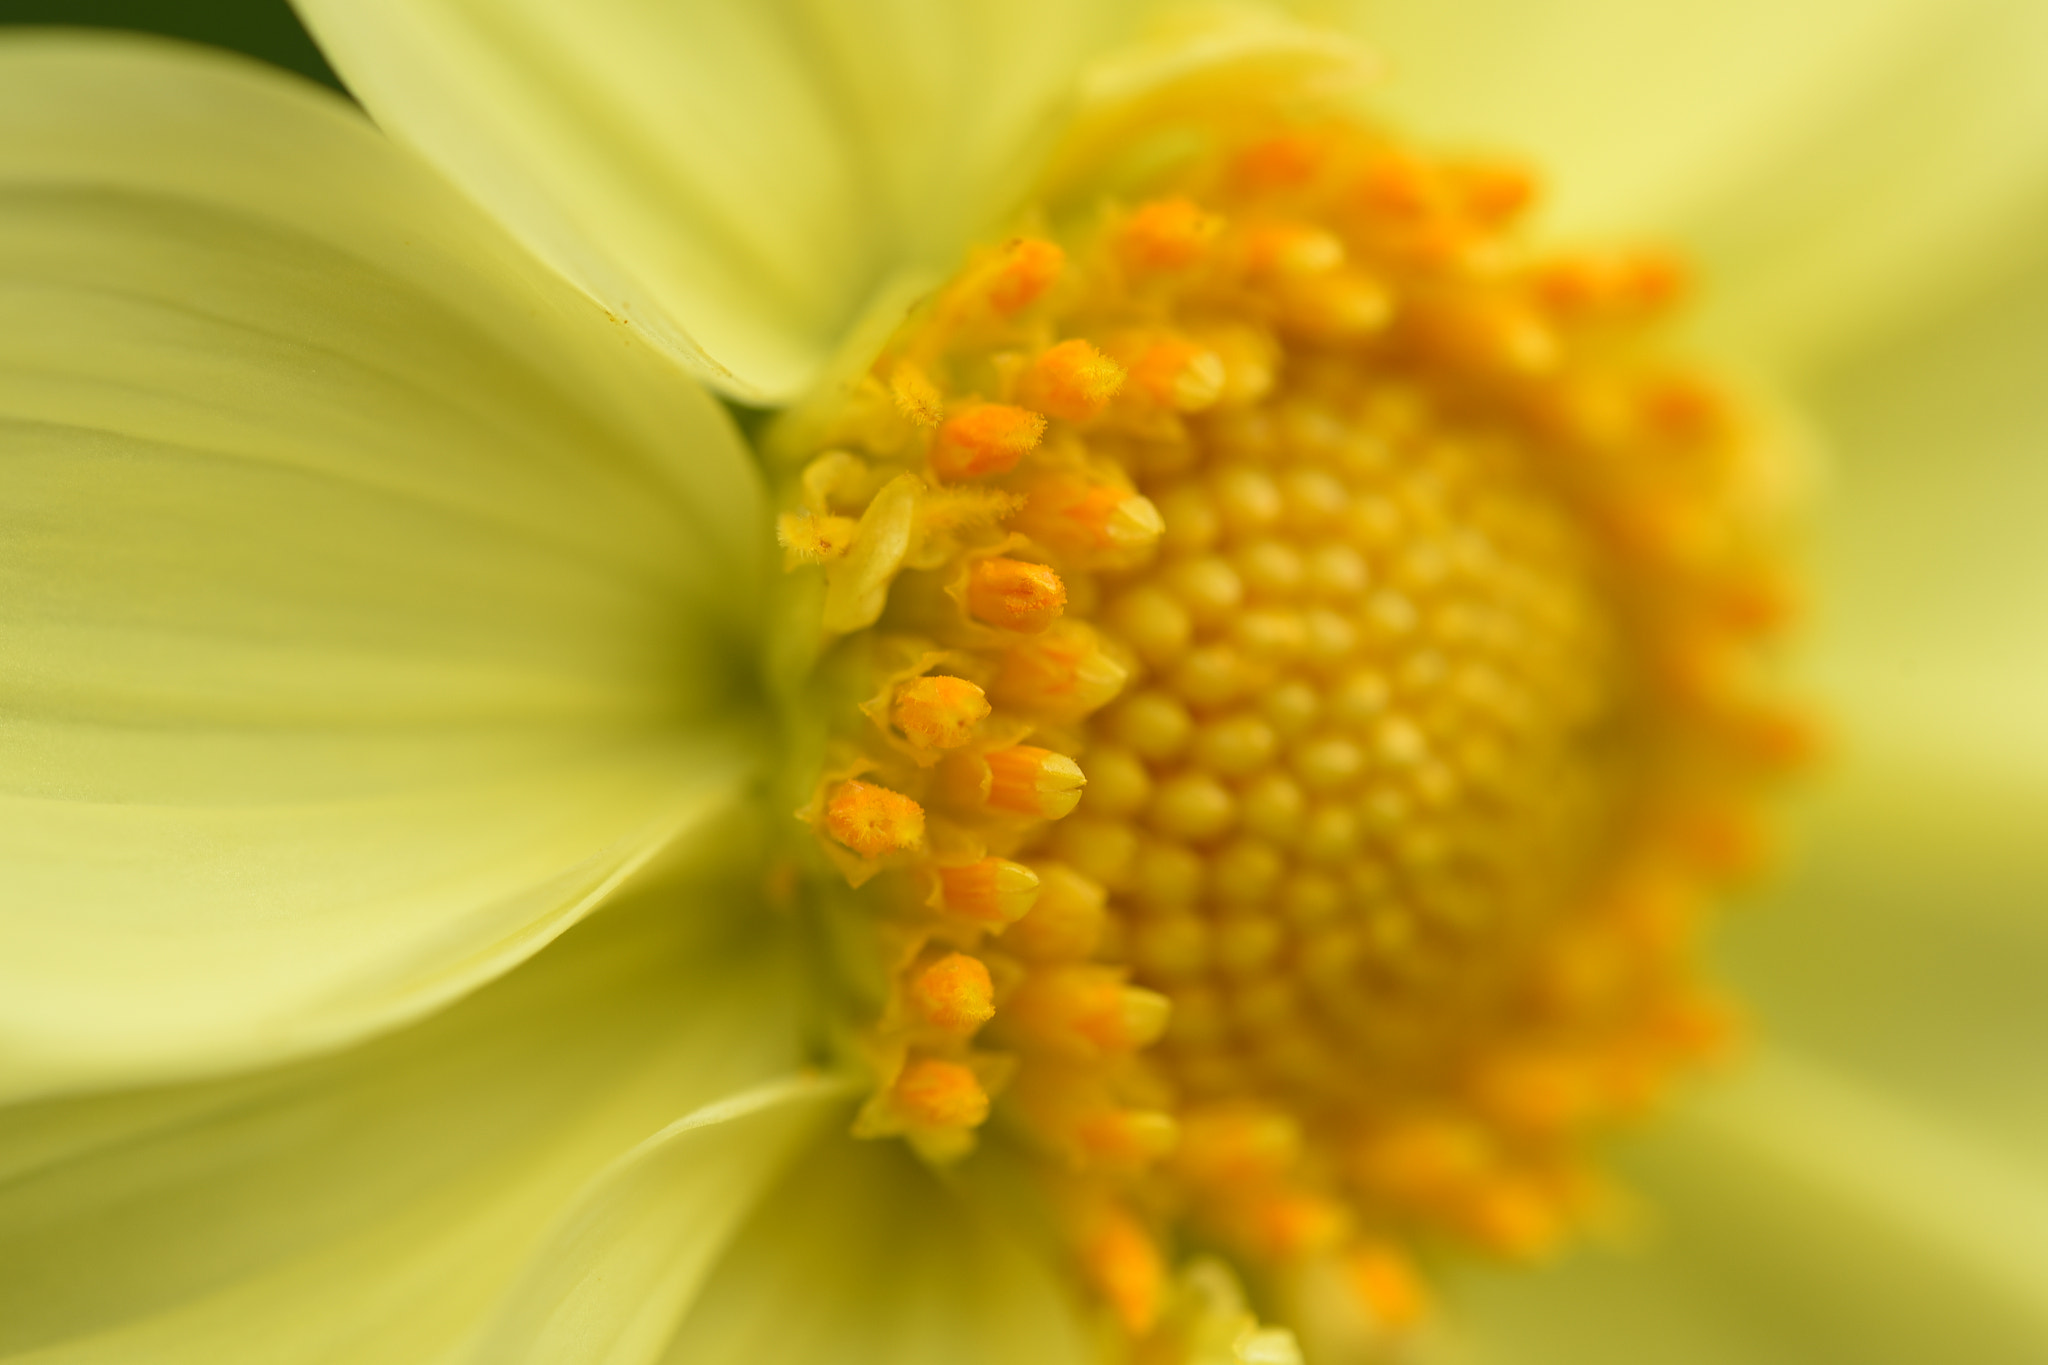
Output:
(1798, 1217)
(737, 180)
(371, 605)
(864, 1254)
(1837, 167)
(377, 1205)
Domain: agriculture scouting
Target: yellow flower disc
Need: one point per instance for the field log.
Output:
(1318, 634)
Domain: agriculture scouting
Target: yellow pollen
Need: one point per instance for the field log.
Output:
(955, 993)
(1014, 594)
(873, 820)
(939, 712)
(983, 439)
(1324, 639)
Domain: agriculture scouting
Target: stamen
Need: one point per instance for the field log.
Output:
(1071, 381)
(955, 994)
(984, 439)
(934, 1093)
(1167, 234)
(1034, 782)
(873, 820)
(992, 892)
(939, 712)
(1013, 594)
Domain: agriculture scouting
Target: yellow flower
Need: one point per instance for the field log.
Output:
(375, 607)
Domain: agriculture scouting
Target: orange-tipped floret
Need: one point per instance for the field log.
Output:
(1124, 1264)
(1026, 780)
(954, 994)
(939, 712)
(1021, 275)
(933, 1093)
(983, 439)
(992, 892)
(873, 820)
(1014, 594)
(1167, 234)
(1072, 381)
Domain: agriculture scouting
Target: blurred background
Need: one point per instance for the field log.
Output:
(1874, 1189)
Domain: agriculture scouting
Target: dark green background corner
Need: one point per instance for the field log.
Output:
(261, 28)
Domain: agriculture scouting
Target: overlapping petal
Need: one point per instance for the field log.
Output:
(862, 1253)
(370, 603)
(380, 1204)
(739, 180)
(1839, 168)
(1797, 1217)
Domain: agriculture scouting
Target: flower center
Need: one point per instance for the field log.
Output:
(1290, 677)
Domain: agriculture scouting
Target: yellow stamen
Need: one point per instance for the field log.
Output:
(1034, 782)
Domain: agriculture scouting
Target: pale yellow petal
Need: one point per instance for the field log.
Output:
(863, 1254)
(618, 1274)
(1797, 1217)
(371, 603)
(737, 178)
(1836, 167)
(377, 1205)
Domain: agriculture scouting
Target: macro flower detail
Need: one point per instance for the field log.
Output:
(1143, 793)
(1306, 649)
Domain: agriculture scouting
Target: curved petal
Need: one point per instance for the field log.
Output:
(1908, 941)
(862, 1253)
(376, 1205)
(1836, 167)
(371, 603)
(618, 1275)
(1798, 1218)
(739, 178)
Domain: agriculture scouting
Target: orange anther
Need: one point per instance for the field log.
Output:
(1628, 284)
(1083, 1010)
(1493, 192)
(1027, 268)
(1124, 1265)
(1423, 1159)
(1177, 374)
(1127, 1137)
(1034, 782)
(1167, 234)
(1537, 1092)
(991, 892)
(1070, 512)
(1284, 161)
(1291, 1224)
(931, 1093)
(1063, 673)
(1387, 1283)
(917, 398)
(1015, 594)
(983, 439)
(954, 994)
(1512, 1217)
(1290, 249)
(873, 820)
(939, 712)
(1071, 381)
(1066, 921)
(1236, 1147)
